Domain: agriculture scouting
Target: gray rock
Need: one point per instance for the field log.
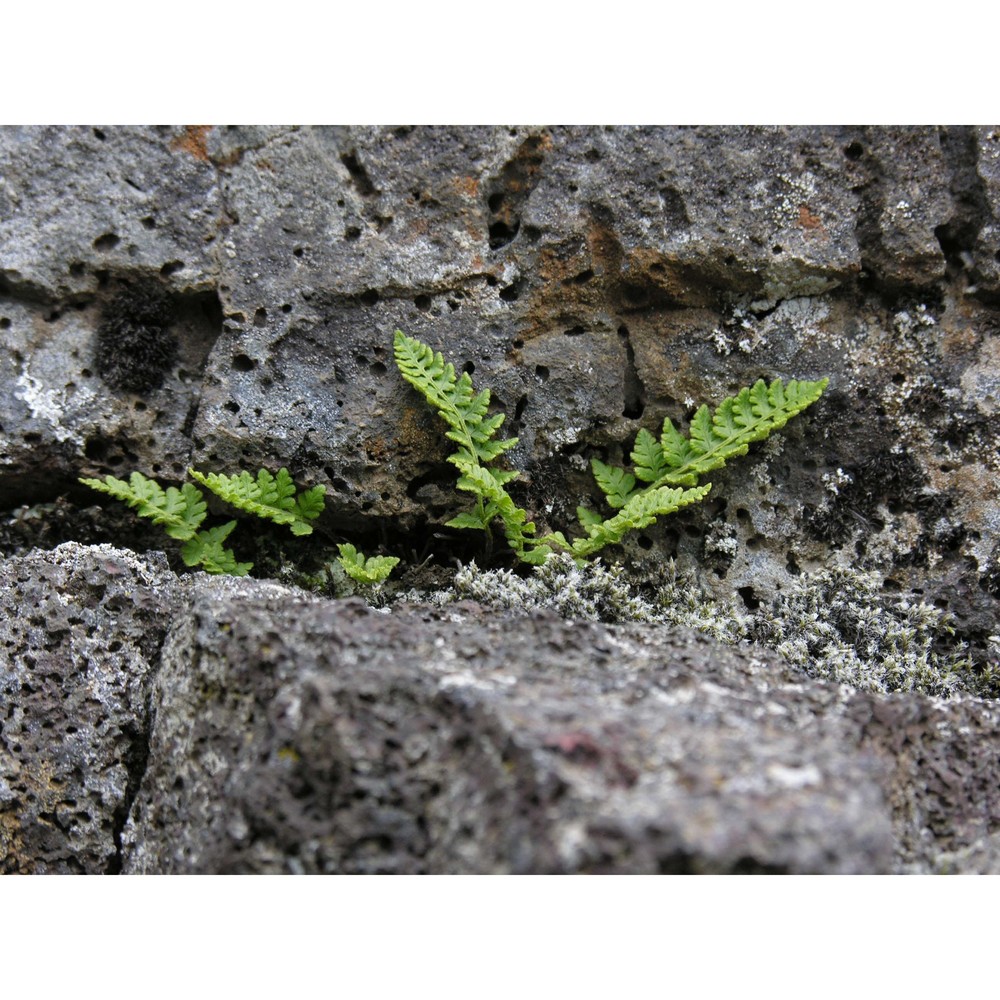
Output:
(80, 630)
(299, 735)
(151, 724)
(985, 187)
(78, 205)
(943, 790)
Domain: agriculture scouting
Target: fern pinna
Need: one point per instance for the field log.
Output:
(180, 512)
(370, 570)
(668, 468)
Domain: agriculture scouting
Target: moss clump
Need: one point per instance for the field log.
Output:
(834, 625)
(592, 591)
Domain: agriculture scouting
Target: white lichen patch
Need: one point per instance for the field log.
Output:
(834, 625)
(721, 342)
(834, 482)
(720, 539)
(807, 776)
(561, 437)
(48, 405)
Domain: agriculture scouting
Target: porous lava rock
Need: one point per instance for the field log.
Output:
(80, 630)
(152, 723)
(595, 279)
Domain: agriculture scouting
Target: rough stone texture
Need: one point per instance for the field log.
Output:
(276, 731)
(272, 730)
(983, 200)
(944, 753)
(596, 279)
(80, 630)
(300, 735)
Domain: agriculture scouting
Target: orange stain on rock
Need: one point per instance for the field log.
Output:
(193, 140)
(469, 186)
(808, 219)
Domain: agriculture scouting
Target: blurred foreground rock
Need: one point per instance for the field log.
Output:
(156, 724)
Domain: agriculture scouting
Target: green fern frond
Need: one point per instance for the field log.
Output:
(179, 511)
(372, 570)
(267, 496)
(457, 403)
(676, 460)
(465, 412)
(639, 511)
(736, 424)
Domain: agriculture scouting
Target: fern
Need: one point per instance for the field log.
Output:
(372, 570)
(668, 468)
(715, 438)
(180, 512)
(267, 496)
(205, 549)
(465, 412)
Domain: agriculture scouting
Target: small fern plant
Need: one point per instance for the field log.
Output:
(371, 571)
(666, 469)
(181, 511)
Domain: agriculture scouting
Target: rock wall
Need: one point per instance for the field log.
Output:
(596, 279)
(226, 297)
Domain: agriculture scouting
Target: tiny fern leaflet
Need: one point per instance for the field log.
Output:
(372, 570)
(205, 549)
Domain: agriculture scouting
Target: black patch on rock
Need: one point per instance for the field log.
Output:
(891, 478)
(134, 351)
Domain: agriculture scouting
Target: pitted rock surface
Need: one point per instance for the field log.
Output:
(80, 630)
(151, 724)
(595, 279)
(298, 735)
